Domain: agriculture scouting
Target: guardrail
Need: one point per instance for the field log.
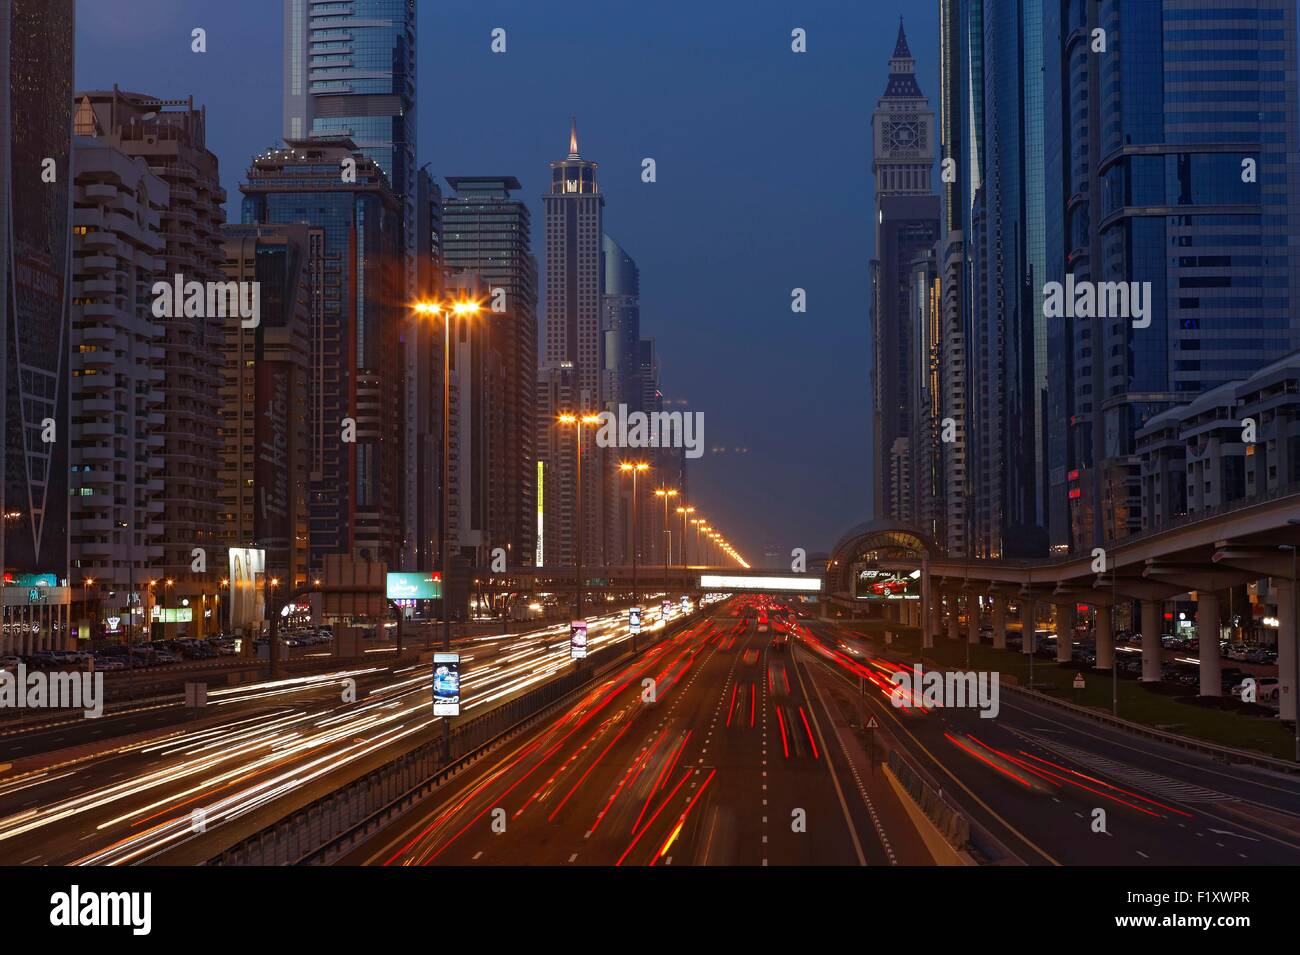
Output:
(332, 825)
(951, 823)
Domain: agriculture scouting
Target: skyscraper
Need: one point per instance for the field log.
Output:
(171, 136)
(574, 209)
(1188, 180)
(35, 245)
(267, 371)
(907, 223)
(117, 469)
(357, 407)
(488, 230)
(349, 72)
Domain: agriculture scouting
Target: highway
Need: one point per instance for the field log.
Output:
(715, 746)
(1033, 776)
(732, 760)
(124, 789)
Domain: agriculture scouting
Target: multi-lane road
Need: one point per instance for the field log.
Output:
(1034, 777)
(158, 784)
(713, 748)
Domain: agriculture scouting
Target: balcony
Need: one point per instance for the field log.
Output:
(99, 240)
(95, 359)
(97, 335)
(100, 190)
(97, 384)
(94, 429)
(98, 310)
(97, 263)
(92, 525)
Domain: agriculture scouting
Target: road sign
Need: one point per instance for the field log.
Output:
(1078, 681)
(872, 724)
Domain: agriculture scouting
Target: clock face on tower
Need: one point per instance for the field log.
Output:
(901, 135)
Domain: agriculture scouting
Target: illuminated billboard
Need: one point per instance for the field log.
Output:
(634, 620)
(871, 583)
(446, 684)
(247, 586)
(414, 586)
(801, 584)
(578, 639)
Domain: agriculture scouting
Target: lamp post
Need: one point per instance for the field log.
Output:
(634, 468)
(86, 584)
(578, 420)
(666, 493)
(167, 599)
(448, 310)
(686, 512)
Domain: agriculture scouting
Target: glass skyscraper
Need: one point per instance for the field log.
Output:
(35, 246)
(1178, 168)
(357, 366)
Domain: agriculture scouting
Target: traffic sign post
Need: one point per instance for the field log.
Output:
(872, 725)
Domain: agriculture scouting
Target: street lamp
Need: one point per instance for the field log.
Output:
(578, 421)
(686, 513)
(666, 493)
(167, 598)
(448, 310)
(634, 468)
(86, 584)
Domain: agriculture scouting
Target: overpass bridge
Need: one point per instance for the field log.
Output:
(1203, 553)
(620, 579)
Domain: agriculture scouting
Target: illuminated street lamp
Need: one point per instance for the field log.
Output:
(577, 421)
(666, 493)
(686, 513)
(448, 310)
(634, 468)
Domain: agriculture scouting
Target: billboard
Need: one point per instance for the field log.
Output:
(634, 620)
(870, 583)
(247, 586)
(420, 586)
(578, 639)
(446, 684)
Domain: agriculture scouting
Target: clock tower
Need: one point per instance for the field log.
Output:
(902, 130)
(907, 227)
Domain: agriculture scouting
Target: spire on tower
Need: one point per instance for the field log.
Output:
(573, 138)
(900, 48)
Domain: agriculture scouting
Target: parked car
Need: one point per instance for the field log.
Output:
(9, 662)
(109, 662)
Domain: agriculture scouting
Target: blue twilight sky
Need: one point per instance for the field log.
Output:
(764, 184)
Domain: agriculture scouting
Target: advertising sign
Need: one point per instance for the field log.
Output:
(634, 620)
(871, 583)
(446, 684)
(666, 609)
(247, 586)
(686, 605)
(578, 639)
(414, 586)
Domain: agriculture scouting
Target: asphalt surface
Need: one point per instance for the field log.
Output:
(734, 759)
(152, 785)
(1033, 777)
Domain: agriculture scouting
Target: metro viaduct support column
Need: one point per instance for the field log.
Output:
(1066, 617)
